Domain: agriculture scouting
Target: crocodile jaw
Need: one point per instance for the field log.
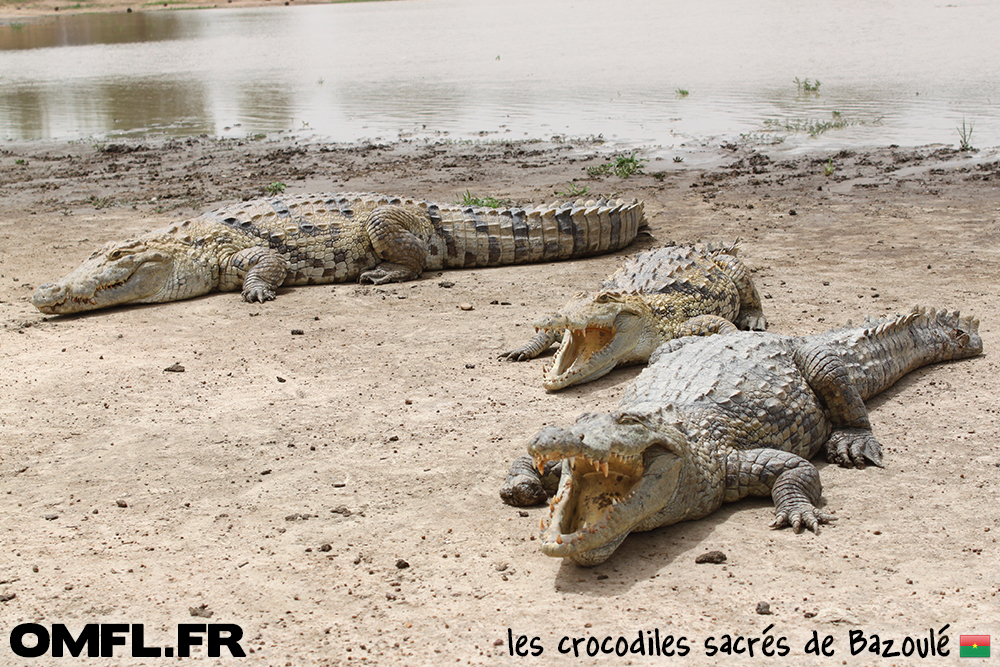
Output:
(116, 274)
(614, 477)
(592, 352)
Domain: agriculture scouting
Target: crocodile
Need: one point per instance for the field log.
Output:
(714, 419)
(258, 245)
(669, 292)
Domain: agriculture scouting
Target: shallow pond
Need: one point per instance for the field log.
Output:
(660, 72)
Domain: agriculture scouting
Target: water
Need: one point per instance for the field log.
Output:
(904, 71)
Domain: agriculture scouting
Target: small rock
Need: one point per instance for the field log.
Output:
(176, 368)
(522, 513)
(713, 557)
(341, 509)
(402, 564)
(470, 366)
(764, 609)
(280, 379)
(499, 642)
(466, 306)
(51, 517)
(7, 597)
(326, 547)
(201, 611)
(793, 212)
(446, 284)
(298, 332)
(121, 503)
(265, 472)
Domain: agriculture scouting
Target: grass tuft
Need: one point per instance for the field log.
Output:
(965, 136)
(807, 85)
(622, 167)
(573, 191)
(468, 199)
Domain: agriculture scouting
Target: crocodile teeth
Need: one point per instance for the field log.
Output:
(604, 468)
(558, 539)
(541, 523)
(540, 464)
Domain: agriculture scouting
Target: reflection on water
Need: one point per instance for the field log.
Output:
(903, 71)
(83, 29)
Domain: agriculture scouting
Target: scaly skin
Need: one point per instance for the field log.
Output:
(715, 419)
(655, 296)
(259, 245)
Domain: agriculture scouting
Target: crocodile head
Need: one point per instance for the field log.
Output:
(599, 332)
(120, 273)
(619, 469)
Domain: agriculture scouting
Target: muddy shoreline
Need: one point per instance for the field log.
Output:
(279, 482)
(14, 11)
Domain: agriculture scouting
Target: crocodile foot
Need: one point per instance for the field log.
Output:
(257, 290)
(525, 486)
(850, 447)
(799, 515)
(751, 320)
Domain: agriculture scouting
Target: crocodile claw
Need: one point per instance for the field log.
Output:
(804, 515)
(850, 447)
(259, 293)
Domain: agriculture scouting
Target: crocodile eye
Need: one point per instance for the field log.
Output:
(626, 419)
(115, 254)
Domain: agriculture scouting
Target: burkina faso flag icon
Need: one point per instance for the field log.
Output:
(974, 646)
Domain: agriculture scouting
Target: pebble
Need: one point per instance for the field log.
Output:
(466, 306)
(713, 557)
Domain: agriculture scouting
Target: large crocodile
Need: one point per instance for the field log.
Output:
(657, 295)
(714, 419)
(262, 244)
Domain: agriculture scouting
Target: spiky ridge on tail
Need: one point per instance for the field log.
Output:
(882, 350)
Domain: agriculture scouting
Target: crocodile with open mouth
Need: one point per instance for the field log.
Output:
(656, 295)
(714, 419)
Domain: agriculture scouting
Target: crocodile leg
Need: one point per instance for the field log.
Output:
(791, 481)
(540, 342)
(524, 485)
(258, 269)
(751, 315)
(705, 325)
(852, 440)
(390, 229)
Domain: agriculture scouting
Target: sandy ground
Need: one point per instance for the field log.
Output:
(335, 493)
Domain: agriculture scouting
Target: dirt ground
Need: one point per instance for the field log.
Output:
(334, 493)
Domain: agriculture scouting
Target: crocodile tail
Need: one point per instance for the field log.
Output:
(882, 350)
(475, 236)
(724, 249)
(960, 334)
